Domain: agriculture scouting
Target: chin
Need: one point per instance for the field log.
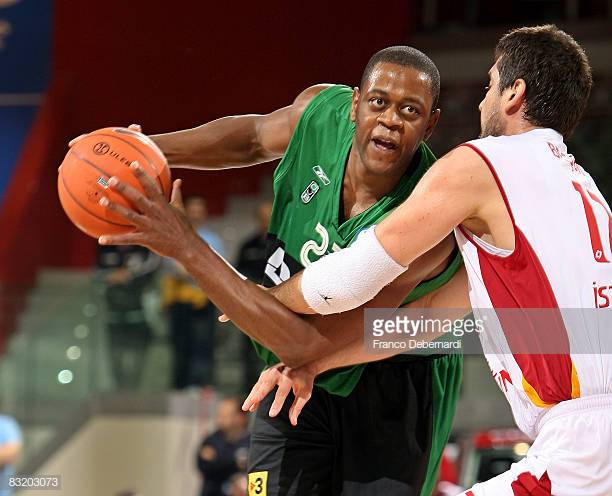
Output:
(492, 126)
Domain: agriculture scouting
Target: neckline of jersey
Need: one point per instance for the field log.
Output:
(543, 132)
(413, 171)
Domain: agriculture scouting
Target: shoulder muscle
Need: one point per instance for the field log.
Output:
(273, 131)
(302, 100)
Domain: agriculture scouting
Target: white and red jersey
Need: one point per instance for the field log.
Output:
(562, 260)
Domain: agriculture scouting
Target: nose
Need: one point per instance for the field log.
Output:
(480, 105)
(390, 118)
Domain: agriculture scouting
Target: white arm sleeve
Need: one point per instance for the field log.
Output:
(349, 278)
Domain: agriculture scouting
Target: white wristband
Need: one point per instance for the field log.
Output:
(347, 279)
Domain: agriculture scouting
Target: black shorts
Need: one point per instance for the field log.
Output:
(376, 441)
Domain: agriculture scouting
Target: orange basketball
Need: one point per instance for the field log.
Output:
(91, 162)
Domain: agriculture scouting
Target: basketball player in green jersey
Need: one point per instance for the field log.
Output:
(349, 158)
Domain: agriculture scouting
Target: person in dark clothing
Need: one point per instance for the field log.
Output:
(224, 452)
(252, 263)
(191, 315)
(125, 272)
(252, 253)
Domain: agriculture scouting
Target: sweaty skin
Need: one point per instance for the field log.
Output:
(392, 115)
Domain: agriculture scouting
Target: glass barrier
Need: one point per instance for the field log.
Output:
(76, 338)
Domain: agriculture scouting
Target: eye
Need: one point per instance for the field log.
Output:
(410, 110)
(377, 102)
(487, 87)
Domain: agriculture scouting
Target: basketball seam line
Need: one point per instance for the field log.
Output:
(156, 177)
(85, 208)
(92, 164)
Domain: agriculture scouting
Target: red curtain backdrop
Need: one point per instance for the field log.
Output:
(171, 65)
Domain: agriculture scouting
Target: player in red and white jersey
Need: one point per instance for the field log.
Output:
(559, 256)
(561, 259)
(535, 233)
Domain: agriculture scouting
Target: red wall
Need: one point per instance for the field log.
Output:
(168, 67)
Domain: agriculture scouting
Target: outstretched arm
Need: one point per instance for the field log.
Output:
(344, 331)
(163, 228)
(452, 296)
(236, 141)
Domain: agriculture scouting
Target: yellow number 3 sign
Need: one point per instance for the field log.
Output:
(258, 483)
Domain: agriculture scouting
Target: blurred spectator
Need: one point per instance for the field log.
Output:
(252, 254)
(251, 263)
(192, 316)
(10, 447)
(126, 271)
(224, 452)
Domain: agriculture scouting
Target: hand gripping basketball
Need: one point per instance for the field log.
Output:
(160, 225)
(92, 159)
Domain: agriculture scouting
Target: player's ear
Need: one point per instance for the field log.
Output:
(354, 102)
(514, 97)
(433, 122)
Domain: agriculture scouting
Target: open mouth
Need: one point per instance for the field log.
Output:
(384, 145)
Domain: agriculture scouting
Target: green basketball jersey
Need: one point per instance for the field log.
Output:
(305, 217)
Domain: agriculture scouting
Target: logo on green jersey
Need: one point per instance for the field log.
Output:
(318, 170)
(317, 248)
(276, 268)
(309, 193)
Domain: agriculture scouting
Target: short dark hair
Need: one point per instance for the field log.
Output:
(556, 72)
(407, 56)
